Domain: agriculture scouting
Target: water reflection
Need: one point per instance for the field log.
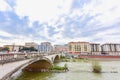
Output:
(34, 76)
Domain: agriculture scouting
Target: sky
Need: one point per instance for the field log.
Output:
(59, 21)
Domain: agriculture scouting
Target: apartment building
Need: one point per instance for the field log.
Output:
(60, 48)
(110, 49)
(95, 49)
(79, 47)
(45, 47)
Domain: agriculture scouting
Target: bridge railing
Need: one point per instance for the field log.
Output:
(11, 57)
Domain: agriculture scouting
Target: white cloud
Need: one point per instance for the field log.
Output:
(66, 40)
(42, 10)
(110, 32)
(5, 34)
(54, 13)
(107, 36)
(4, 6)
(107, 10)
(45, 32)
(17, 40)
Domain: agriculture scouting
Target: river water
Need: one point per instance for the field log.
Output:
(78, 71)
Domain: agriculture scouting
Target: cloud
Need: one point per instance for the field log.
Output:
(107, 12)
(42, 10)
(60, 21)
(5, 34)
(4, 6)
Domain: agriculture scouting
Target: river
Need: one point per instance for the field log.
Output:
(78, 71)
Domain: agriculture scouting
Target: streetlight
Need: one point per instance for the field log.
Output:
(13, 47)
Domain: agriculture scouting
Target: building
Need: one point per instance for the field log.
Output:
(45, 47)
(1, 48)
(60, 48)
(14, 48)
(95, 49)
(30, 44)
(110, 49)
(79, 47)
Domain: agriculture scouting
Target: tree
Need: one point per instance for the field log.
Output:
(5, 49)
(29, 49)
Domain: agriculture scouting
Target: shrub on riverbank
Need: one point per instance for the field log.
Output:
(59, 67)
(74, 60)
(63, 57)
(96, 67)
(66, 60)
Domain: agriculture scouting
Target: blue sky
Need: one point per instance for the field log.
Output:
(59, 21)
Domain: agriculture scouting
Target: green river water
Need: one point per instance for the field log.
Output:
(77, 71)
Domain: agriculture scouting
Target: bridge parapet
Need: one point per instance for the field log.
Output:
(12, 57)
(5, 58)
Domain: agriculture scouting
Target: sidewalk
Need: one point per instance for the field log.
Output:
(9, 67)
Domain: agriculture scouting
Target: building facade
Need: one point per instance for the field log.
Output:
(45, 47)
(95, 49)
(60, 48)
(110, 49)
(30, 44)
(14, 48)
(79, 47)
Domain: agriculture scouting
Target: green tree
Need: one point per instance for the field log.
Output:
(5, 49)
(28, 49)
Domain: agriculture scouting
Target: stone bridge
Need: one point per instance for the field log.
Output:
(31, 62)
(42, 63)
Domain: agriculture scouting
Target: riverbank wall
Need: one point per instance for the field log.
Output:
(99, 56)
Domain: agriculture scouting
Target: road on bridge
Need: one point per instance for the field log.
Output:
(6, 69)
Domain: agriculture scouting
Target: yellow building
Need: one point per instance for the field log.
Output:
(30, 44)
(10, 47)
(14, 48)
(79, 47)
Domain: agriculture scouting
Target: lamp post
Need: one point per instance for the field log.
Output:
(13, 47)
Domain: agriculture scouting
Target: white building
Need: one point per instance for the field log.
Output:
(111, 49)
(95, 49)
(45, 47)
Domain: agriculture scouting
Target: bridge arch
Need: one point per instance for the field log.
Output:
(39, 65)
(56, 59)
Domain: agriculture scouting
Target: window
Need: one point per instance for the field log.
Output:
(70, 47)
(85, 47)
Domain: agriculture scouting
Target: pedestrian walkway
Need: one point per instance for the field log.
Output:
(7, 68)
